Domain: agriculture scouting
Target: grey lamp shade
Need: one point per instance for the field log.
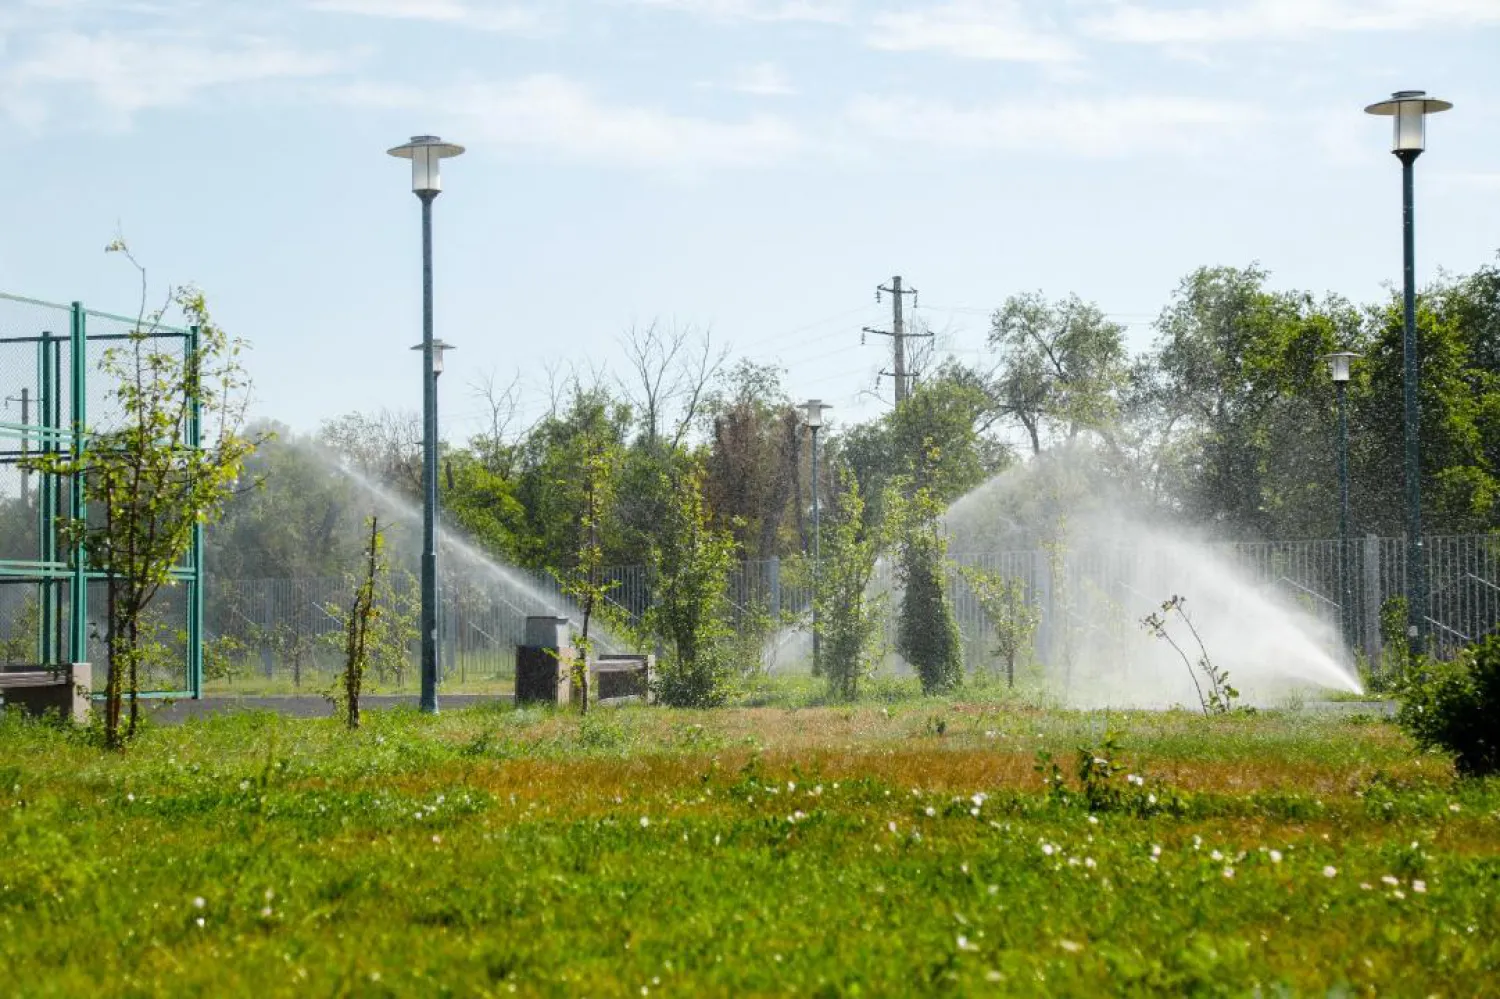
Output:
(1338, 364)
(426, 153)
(1408, 110)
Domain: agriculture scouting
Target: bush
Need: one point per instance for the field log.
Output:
(848, 615)
(928, 635)
(690, 567)
(1456, 706)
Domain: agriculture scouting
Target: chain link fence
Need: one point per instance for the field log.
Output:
(51, 380)
(290, 631)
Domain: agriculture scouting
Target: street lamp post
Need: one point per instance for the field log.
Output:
(1409, 110)
(1338, 368)
(814, 419)
(426, 153)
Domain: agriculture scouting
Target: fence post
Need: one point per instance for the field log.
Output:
(773, 569)
(1370, 617)
(1042, 573)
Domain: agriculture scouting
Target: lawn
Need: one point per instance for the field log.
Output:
(920, 847)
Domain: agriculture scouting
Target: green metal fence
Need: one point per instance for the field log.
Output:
(55, 398)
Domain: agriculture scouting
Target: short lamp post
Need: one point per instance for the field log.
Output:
(426, 153)
(813, 416)
(1409, 110)
(1338, 368)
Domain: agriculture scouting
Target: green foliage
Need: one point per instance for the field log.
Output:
(1063, 366)
(849, 618)
(1010, 612)
(584, 581)
(1455, 705)
(752, 473)
(147, 489)
(690, 610)
(363, 614)
(20, 642)
(223, 658)
(938, 439)
(1394, 645)
(927, 634)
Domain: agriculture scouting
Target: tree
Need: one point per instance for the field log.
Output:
(938, 439)
(927, 636)
(848, 615)
(753, 471)
(668, 369)
(690, 574)
(149, 489)
(552, 484)
(385, 448)
(584, 581)
(1062, 366)
(363, 613)
(292, 514)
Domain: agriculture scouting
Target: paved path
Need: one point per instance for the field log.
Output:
(307, 706)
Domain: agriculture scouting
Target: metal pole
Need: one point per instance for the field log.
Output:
(429, 473)
(816, 638)
(1416, 565)
(25, 447)
(195, 587)
(1346, 581)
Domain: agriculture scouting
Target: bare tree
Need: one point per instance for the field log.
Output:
(386, 447)
(670, 371)
(503, 404)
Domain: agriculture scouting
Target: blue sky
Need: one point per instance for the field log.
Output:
(753, 166)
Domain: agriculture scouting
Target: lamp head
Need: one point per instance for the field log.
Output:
(1339, 363)
(439, 347)
(1408, 110)
(813, 412)
(425, 153)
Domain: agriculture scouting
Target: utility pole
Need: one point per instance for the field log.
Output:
(25, 400)
(898, 335)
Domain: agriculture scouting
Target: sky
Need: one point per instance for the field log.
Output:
(750, 167)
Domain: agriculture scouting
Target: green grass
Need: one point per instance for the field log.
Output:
(890, 848)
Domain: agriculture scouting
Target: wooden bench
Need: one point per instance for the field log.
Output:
(39, 689)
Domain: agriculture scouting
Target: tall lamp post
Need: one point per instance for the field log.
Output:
(1409, 110)
(814, 419)
(426, 152)
(1338, 368)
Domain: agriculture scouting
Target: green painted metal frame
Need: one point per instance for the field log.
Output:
(78, 596)
(53, 570)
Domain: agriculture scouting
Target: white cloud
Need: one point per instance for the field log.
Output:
(124, 74)
(1111, 126)
(763, 80)
(559, 117)
(820, 11)
(487, 16)
(1260, 20)
(973, 29)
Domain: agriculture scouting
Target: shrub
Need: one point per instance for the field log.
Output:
(928, 636)
(1456, 706)
(848, 615)
(690, 567)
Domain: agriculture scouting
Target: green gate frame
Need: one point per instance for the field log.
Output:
(50, 570)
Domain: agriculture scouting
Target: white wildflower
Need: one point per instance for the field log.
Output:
(1330, 871)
